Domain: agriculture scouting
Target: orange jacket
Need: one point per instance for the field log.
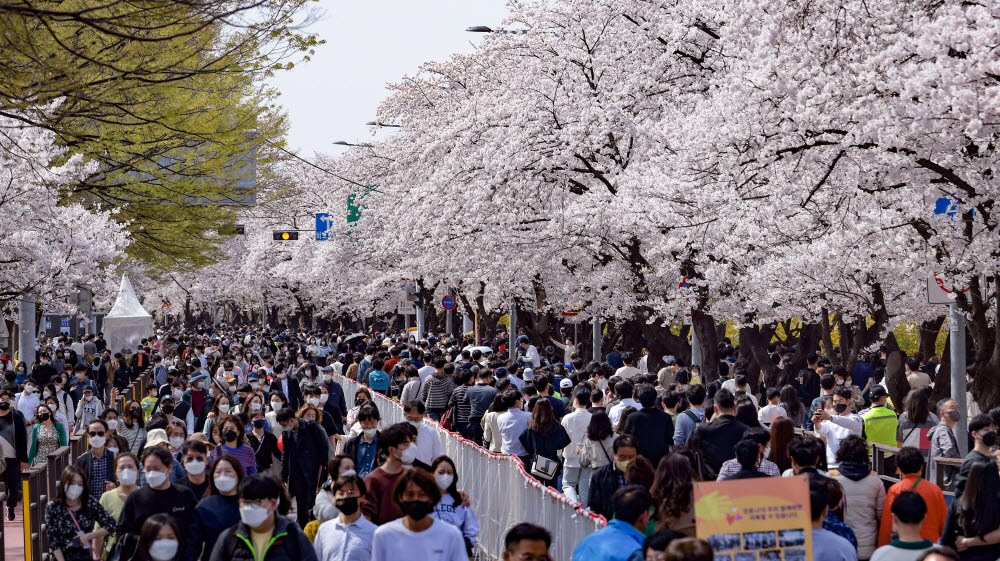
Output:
(937, 510)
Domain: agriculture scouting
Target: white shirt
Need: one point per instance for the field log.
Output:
(428, 444)
(616, 412)
(336, 541)
(425, 372)
(440, 542)
(626, 372)
(836, 429)
(769, 413)
(730, 385)
(27, 404)
(532, 356)
(576, 424)
(512, 423)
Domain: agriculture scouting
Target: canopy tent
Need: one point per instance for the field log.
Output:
(128, 322)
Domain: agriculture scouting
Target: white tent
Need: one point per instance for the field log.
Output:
(128, 322)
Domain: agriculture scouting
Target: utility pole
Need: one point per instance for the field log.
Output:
(597, 337)
(956, 323)
(26, 329)
(512, 332)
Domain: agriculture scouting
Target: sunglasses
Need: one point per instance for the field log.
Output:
(92, 434)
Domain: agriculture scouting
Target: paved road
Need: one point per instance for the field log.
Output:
(13, 535)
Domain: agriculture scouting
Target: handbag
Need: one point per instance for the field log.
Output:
(542, 468)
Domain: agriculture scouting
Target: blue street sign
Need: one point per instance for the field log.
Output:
(948, 207)
(448, 303)
(323, 221)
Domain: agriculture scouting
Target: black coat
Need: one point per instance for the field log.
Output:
(288, 544)
(304, 455)
(293, 395)
(603, 484)
(654, 432)
(717, 440)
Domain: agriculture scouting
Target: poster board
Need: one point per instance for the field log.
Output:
(762, 519)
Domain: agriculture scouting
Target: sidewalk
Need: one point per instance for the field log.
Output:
(13, 535)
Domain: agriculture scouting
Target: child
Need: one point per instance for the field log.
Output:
(149, 402)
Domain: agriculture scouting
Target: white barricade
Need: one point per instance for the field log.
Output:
(501, 492)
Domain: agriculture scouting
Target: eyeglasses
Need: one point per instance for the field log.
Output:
(93, 434)
(531, 557)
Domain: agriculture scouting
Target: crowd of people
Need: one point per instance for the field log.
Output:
(246, 447)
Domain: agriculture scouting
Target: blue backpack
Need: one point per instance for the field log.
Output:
(378, 380)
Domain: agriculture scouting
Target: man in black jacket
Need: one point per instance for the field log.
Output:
(287, 385)
(652, 427)
(43, 372)
(14, 444)
(303, 459)
(611, 477)
(809, 379)
(717, 440)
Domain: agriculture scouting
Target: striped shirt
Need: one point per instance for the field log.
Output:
(436, 391)
(458, 400)
(244, 454)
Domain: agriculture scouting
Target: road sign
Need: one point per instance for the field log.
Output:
(323, 222)
(448, 303)
(406, 308)
(940, 292)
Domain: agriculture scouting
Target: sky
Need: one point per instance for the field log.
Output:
(370, 44)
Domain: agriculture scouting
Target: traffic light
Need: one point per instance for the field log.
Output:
(285, 235)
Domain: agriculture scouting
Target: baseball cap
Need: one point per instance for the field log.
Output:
(528, 374)
(566, 383)
(878, 392)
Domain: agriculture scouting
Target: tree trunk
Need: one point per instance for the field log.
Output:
(826, 333)
(754, 356)
(704, 326)
(927, 335)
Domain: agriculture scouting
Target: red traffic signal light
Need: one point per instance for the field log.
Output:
(285, 235)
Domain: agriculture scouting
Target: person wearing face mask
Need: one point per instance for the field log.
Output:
(89, 409)
(194, 455)
(27, 400)
(450, 508)
(289, 387)
(70, 519)
(379, 506)
(835, 422)
(126, 474)
(218, 511)
(605, 481)
(363, 448)
(264, 444)
(97, 463)
(333, 429)
(276, 401)
(160, 496)
(417, 535)
(984, 437)
(262, 534)
(44, 371)
(65, 401)
(159, 540)
(622, 536)
(182, 409)
(176, 435)
(305, 452)
(221, 407)
(324, 508)
(233, 444)
(47, 436)
(14, 447)
(428, 440)
(21, 373)
(348, 536)
(943, 443)
(132, 427)
(116, 443)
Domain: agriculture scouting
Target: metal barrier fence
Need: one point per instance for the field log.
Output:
(500, 490)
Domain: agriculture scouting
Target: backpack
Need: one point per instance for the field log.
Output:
(697, 421)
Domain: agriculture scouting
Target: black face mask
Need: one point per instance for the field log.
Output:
(347, 506)
(954, 415)
(167, 409)
(45, 417)
(136, 412)
(258, 423)
(988, 438)
(840, 407)
(4, 405)
(230, 435)
(416, 510)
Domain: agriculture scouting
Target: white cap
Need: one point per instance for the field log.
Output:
(529, 374)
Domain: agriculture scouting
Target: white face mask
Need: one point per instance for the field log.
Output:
(195, 467)
(113, 450)
(163, 550)
(112, 424)
(73, 492)
(275, 405)
(253, 515)
(225, 483)
(98, 441)
(178, 394)
(417, 424)
(46, 394)
(313, 401)
(177, 441)
(255, 406)
(155, 478)
(407, 456)
(224, 408)
(444, 480)
(323, 397)
(327, 377)
(127, 476)
(253, 385)
(370, 433)
(28, 390)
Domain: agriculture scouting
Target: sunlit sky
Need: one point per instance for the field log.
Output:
(370, 44)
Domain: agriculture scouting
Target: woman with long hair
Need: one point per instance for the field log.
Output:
(47, 436)
(792, 405)
(159, 539)
(673, 494)
(544, 438)
(917, 418)
(221, 408)
(132, 426)
(782, 431)
(975, 514)
(491, 429)
(450, 508)
(620, 428)
(219, 510)
(596, 451)
(70, 519)
(234, 444)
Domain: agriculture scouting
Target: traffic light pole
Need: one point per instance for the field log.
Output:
(956, 324)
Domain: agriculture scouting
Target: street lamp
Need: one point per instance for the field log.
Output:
(377, 124)
(343, 143)
(487, 29)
